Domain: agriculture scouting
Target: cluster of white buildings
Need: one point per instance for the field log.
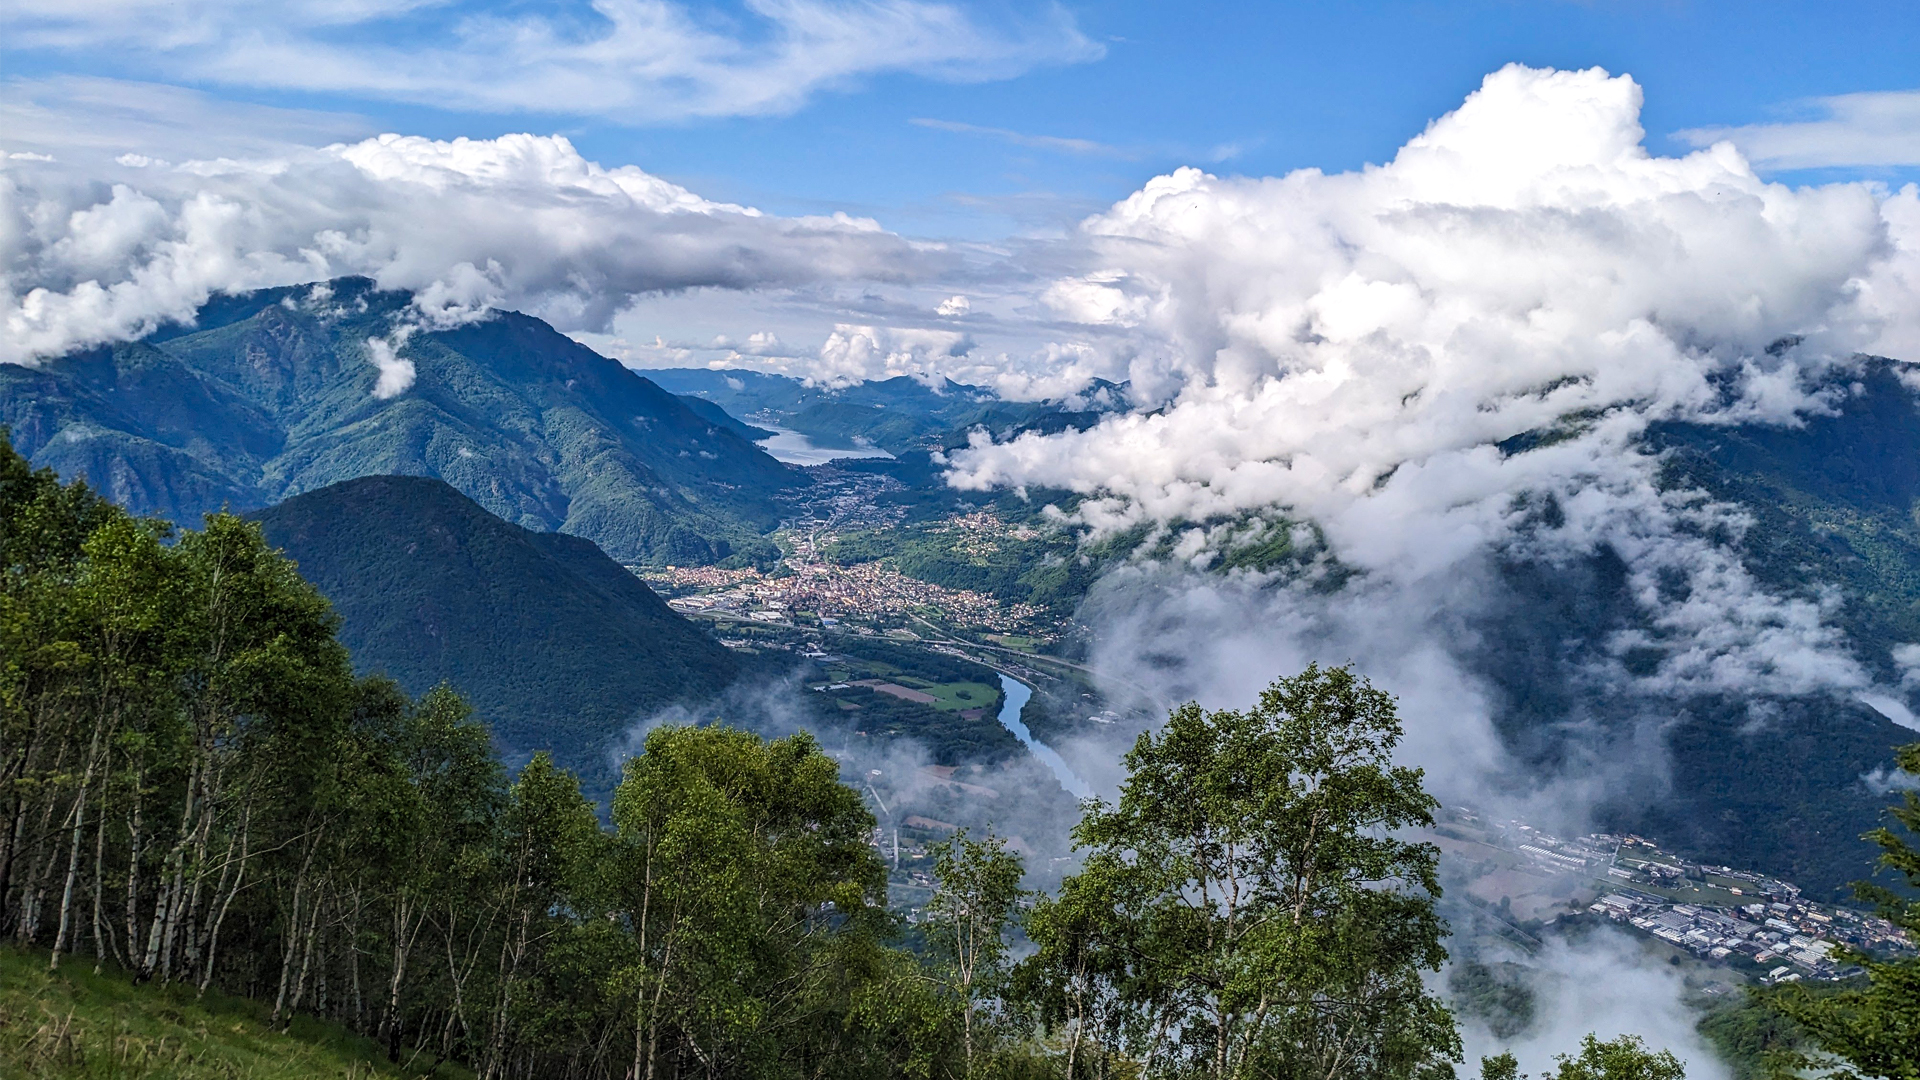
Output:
(1762, 932)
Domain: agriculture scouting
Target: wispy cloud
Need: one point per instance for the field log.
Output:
(636, 61)
(86, 121)
(1019, 138)
(1869, 129)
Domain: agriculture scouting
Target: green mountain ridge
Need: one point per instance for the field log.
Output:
(900, 415)
(272, 393)
(557, 646)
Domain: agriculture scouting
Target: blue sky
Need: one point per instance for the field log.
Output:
(1052, 113)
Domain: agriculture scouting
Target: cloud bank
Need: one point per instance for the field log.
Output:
(521, 221)
(1363, 349)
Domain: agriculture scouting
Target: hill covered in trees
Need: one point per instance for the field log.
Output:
(280, 391)
(557, 646)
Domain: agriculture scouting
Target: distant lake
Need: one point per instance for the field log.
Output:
(796, 449)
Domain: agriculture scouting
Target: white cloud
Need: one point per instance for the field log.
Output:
(396, 372)
(1035, 142)
(1868, 129)
(632, 61)
(1608, 985)
(1353, 347)
(86, 123)
(856, 353)
(519, 221)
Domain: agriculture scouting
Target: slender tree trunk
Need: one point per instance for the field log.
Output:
(34, 894)
(99, 891)
(231, 890)
(166, 913)
(353, 963)
(306, 962)
(73, 874)
(134, 851)
(73, 845)
(406, 927)
(288, 950)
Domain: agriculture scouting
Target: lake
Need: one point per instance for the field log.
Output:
(796, 449)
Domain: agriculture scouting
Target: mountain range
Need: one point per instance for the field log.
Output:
(901, 415)
(276, 392)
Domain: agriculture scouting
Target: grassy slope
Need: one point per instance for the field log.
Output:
(78, 1024)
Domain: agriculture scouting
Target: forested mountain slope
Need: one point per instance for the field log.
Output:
(281, 391)
(1783, 782)
(898, 415)
(557, 646)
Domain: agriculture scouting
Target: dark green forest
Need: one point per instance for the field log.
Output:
(557, 646)
(200, 797)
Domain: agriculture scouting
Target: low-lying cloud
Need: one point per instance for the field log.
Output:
(1367, 350)
(520, 221)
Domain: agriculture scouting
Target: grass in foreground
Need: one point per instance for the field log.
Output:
(75, 1024)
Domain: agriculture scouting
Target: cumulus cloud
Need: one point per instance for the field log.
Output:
(857, 353)
(1360, 348)
(519, 221)
(632, 61)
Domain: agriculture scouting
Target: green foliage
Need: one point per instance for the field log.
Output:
(1624, 1058)
(756, 907)
(1244, 909)
(966, 923)
(194, 786)
(1751, 1037)
(1496, 994)
(1872, 1031)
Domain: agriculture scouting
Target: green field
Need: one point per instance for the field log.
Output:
(976, 695)
(77, 1024)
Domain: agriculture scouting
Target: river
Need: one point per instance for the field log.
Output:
(1017, 695)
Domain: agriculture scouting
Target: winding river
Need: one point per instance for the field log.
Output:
(1017, 695)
